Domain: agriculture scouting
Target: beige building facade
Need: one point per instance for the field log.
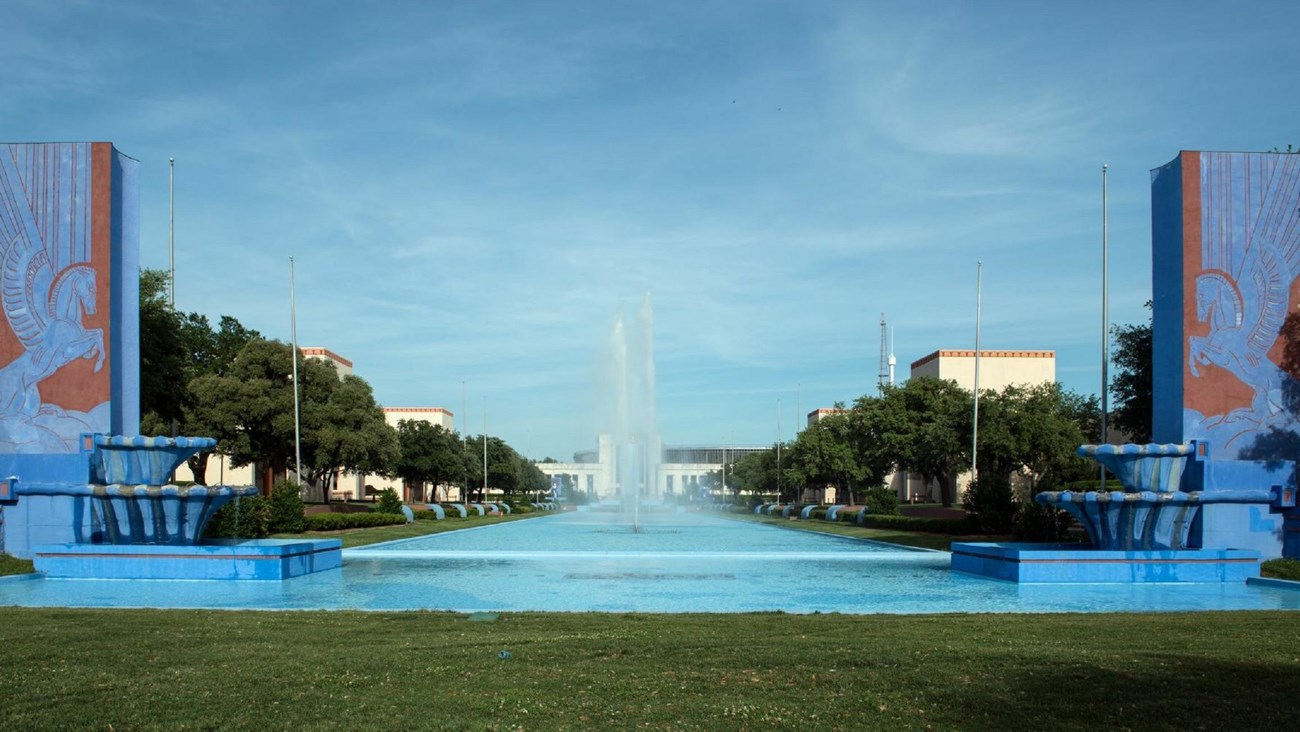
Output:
(997, 371)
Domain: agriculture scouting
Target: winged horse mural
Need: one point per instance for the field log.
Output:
(1250, 256)
(47, 288)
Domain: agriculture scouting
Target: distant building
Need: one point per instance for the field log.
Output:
(342, 365)
(681, 470)
(818, 415)
(351, 486)
(998, 369)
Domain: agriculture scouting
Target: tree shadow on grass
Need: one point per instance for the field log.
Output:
(1164, 691)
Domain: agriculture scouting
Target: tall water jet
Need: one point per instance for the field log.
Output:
(630, 410)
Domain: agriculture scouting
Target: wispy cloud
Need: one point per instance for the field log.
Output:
(472, 192)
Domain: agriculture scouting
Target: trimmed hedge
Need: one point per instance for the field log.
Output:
(1083, 486)
(246, 517)
(1287, 569)
(285, 508)
(336, 521)
(425, 515)
(913, 523)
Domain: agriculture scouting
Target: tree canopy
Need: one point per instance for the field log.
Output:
(1131, 384)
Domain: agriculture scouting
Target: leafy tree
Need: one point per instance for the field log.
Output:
(427, 453)
(1002, 436)
(347, 433)
(174, 350)
(471, 461)
(869, 421)
(754, 473)
(250, 407)
(1033, 431)
(1131, 384)
(823, 455)
(208, 351)
(1054, 423)
(531, 477)
(928, 429)
(162, 357)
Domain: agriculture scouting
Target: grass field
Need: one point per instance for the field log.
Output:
(176, 669)
(376, 534)
(136, 669)
(894, 536)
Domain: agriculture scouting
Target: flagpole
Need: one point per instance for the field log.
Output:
(1105, 321)
(171, 232)
(975, 418)
(297, 419)
(484, 498)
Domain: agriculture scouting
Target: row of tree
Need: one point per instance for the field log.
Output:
(924, 427)
(432, 455)
(231, 383)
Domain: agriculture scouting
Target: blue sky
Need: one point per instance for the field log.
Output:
(473, 191)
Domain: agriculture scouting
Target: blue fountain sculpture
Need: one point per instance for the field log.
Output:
(127, 499)
(1154, 511)
(123, 520)
(136, 505)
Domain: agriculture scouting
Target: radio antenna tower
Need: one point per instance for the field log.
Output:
(892, 361)
(885, 376)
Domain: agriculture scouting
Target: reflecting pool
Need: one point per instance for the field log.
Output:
(587, 561)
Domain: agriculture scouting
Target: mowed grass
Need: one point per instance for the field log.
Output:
(350, 537)
(376, 534)
(14, 565)
(920, 539)
(141, 669)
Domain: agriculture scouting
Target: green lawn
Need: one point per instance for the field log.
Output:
(14, 565)
(182, 669)
(376, 534)
(893, 536)
(144, 669)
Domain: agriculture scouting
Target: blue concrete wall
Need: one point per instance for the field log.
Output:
(125, 334)
(1067, 563)
(70, 338)
(1226, 259)
(1167, 301)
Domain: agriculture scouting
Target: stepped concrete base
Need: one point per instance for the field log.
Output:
(1063, 563)
(252, 559)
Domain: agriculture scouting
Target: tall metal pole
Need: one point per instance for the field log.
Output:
(484, 497)
(464, 418)
(724, 469)
(975, 418)
(778, 450)
(171, 232)
(1105, 320)
(297, 419)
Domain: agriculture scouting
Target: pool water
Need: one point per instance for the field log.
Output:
(584, 561)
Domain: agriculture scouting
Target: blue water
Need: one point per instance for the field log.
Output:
(678, 563)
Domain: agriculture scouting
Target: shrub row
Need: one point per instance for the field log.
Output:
(913, 523)
(336, 521)
(451, 513)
